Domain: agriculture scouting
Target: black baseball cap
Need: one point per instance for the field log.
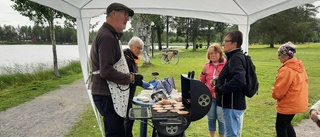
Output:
(119, 6)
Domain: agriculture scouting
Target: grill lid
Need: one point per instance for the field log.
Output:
(199, 97)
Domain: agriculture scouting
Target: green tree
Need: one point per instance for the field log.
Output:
(9, 34)
(207, 31)
(1, 34)
(182, 25)
(195, 23)
(295, 24)
(22, 32)
(37, 31)
(316, 31)
(41, 14)
(70, 35)
(93, 34)
(29, 30)
(127, 35)
(46, 34)
(142, 21)
(159, 27)
(220, 30)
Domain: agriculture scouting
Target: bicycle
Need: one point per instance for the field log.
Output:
(172, 57)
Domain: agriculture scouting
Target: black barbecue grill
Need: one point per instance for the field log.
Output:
(196, 99)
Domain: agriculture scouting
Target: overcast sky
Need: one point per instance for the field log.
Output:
(9, 16)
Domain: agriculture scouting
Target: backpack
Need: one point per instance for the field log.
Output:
(252, 83)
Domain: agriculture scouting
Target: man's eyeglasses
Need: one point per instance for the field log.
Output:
(125, 14)
(225, 41)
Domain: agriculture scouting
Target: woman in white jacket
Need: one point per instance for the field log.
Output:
(315, 111)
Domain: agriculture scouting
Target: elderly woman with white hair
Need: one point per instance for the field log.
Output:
(290, 90)
(132, 57)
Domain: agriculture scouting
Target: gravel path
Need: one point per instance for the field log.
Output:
(49, 115)
(54, 113)
(307, 128)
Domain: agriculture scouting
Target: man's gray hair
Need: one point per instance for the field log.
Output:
(135, 40)
(109, 15)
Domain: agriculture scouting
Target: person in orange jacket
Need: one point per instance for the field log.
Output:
(290, 90)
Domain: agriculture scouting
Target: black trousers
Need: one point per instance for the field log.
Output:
(113, 123)
(283, 125)
(128, 124)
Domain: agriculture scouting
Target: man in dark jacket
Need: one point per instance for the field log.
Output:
(110, 76)
(230, 83)
(132, 57)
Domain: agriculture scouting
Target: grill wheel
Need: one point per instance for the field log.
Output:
(204, 100)
(171, 129)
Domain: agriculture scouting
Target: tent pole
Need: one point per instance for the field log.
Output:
(245, 29)
(83, 25)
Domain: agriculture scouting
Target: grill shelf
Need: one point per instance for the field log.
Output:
(140, 113)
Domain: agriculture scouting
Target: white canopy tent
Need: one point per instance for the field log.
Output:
(240, 12)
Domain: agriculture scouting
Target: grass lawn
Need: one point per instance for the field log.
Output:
(17, 88)
(259, 117)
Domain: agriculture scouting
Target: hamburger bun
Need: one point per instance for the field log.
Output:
(156, 106)
(160, 108)
(166, 105)
(162, 111)
(183, 112)
(174, 110)
(168, 108)
(172, 101)
(165, 102)
(179, 108)
(178, 105)
(159, 103)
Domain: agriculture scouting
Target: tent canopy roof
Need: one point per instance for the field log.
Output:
(228, 11)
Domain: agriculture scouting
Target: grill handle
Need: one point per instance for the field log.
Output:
(173, 122)
(160, 119)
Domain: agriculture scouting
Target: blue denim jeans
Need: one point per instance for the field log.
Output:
(216, 114)
(232, 121)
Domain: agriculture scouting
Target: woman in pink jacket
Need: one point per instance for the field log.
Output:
(290, 90)
(210, 72)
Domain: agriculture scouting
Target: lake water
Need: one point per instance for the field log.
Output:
(26, 54)
(26, 57)
(29, 57)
